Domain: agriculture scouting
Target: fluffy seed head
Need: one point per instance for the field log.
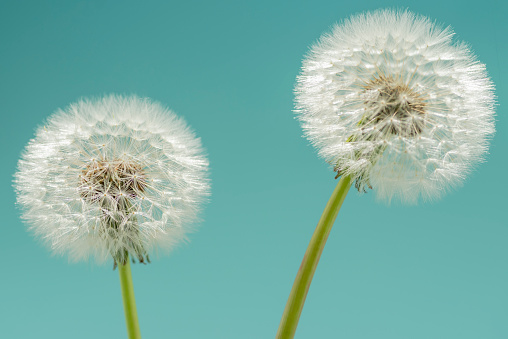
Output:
(113, 176)
(388, 98)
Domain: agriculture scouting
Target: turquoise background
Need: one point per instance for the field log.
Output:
(435, 270)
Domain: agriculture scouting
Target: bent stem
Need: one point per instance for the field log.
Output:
(294, 305)
(129, 302)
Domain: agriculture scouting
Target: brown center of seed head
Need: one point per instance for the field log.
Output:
(392, 107)
(116, 179)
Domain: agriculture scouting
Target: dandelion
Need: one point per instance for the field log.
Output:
(394, 105)
(113, 177)
(391, 101)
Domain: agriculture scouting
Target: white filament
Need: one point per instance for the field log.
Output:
(334, 92)
(115, 130)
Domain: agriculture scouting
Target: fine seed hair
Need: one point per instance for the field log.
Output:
(390, 99)
(112, 177)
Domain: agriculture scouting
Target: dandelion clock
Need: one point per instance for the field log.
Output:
(117, 177)
(395, 105)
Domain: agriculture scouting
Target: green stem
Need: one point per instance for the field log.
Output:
(294, 305)
(129, 302)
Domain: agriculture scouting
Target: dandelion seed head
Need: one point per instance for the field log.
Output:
(389, 98)
(112, 176)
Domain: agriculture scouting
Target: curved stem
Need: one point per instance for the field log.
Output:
(129, 302)
(294, 305)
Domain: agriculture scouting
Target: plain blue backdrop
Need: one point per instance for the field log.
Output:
(435, 270)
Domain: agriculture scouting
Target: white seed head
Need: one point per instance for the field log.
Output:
(388, 98)
(112, 176)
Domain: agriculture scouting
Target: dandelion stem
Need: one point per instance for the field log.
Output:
(129, 302)
(294, 305)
